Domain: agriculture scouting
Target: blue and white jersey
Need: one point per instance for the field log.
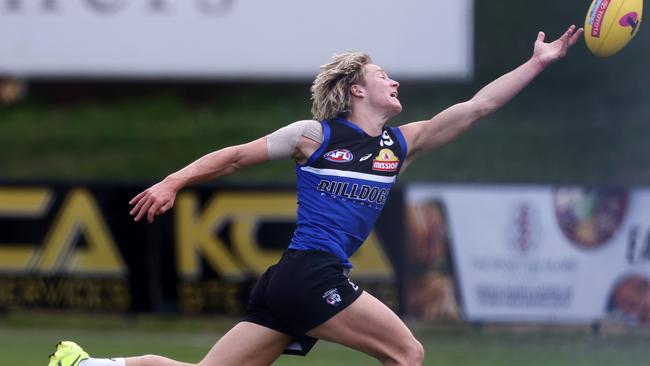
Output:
(343, 187)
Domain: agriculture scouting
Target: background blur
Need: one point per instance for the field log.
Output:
(526, 240)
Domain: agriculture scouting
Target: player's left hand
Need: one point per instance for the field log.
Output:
(546, 53)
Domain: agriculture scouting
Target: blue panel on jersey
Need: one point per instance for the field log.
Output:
(343, 188)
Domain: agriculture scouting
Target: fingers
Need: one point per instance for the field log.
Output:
(158, 209)
(151, 208)
(571, 35)
(576, 36)
(143, 202)
(569, 32)
(143, 209)
(138, 203)
(164, 208)
(137, 198)
(568, 37)
(149, 205)
(151, 213)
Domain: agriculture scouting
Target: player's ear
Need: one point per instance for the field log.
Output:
(357, 90)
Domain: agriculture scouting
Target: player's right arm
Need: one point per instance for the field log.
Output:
(297, 140)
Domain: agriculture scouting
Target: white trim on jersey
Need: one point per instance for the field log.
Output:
(344, 173)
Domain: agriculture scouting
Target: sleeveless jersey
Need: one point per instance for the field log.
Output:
(343, 187)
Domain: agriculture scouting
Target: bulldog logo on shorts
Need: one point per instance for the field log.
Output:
(332, 297)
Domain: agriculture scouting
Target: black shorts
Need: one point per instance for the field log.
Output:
(303, 290)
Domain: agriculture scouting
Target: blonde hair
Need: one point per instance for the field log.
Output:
(330, 92)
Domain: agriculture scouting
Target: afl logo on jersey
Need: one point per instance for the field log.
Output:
(339, 156)
(386, 161)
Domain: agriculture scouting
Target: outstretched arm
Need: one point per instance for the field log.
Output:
(426, 135)
(160, 197)
(297, 140)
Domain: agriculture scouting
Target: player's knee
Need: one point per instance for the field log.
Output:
(415, 353)
(409, 353)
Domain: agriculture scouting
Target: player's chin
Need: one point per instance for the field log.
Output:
(396, 107)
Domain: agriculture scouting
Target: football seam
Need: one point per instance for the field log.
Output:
(609, 29)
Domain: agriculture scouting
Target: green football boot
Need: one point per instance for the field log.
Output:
(67, 354)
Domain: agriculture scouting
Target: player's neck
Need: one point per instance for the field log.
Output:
(371, 123)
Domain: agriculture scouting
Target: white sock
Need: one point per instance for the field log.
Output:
(103, 362)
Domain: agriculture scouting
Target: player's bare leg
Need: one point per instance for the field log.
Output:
(246, 344)
(370, 326)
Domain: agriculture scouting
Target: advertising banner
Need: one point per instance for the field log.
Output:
(429, 292)
(546, 254)
(76, 247)
(232, 39)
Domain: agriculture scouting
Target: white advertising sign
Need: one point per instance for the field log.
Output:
(232, 39)
(558, 254)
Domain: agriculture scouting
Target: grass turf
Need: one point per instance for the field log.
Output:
(27, 339)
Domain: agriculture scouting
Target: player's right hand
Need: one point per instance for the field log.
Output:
(153, 201)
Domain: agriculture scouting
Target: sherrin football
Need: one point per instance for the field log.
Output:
(611, 24)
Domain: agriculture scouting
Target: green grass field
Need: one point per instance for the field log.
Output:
(26, 339)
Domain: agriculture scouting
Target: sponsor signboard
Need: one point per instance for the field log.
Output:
(547, 254)
(231, 39)
(74, 246)
(429, 292)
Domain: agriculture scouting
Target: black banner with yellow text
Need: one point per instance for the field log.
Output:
(74, 246)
